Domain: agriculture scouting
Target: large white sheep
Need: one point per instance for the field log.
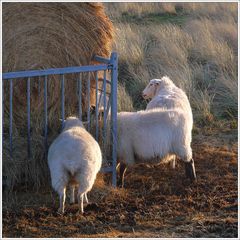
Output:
(154, 133)
(165, 94)
(74, 159)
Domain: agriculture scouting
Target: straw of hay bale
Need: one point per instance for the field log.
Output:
(41, 36)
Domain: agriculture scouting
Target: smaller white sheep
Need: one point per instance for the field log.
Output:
(74, 159)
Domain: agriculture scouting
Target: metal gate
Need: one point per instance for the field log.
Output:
(105, 65)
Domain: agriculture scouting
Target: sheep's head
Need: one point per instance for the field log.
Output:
(155, 85)
(151, 89)
(72, 122)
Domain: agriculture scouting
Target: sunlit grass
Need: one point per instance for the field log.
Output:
(193, 43)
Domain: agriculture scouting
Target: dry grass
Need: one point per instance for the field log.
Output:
(200, 55)
(222, 11)
(116, 10)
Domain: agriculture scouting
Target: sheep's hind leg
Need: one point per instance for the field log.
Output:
(80, 201)
(185, 152)
(72, 196)
(173, 162)
(190, 170)
(86, 198)
(85, 184)
(122, 171)
(62, 198)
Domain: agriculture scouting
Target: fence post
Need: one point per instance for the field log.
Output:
(88, 101)
(80, 96)
(114, 62)
(2, 114)
(45, 115)
(28, 118)
(11, 116)
(63, 99)
(96, 107)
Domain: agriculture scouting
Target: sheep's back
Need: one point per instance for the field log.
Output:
(75, 149)
(152, 133)
(172, 98)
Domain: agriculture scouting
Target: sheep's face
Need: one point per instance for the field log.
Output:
(151, 89)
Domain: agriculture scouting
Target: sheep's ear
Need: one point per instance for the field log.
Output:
(85, 123)
(62, 120)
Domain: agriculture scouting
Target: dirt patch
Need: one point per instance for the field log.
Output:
(157, 202)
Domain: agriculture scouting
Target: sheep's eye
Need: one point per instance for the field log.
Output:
(151, 84)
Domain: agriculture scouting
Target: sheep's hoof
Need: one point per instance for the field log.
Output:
(79, 212)
(190, 170)
(60, 212)
(120, 184)
(92, 207)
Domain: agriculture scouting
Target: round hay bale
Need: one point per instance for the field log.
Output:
(42, 36)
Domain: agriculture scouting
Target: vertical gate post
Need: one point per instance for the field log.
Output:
(2, 114)
(96, 107)
(88, 100)
(114, 62)
(11, 116)
(63, 99)
(28, 118)
(45, 115)
(80, 96)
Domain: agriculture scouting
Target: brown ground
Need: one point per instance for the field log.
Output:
(157, 202)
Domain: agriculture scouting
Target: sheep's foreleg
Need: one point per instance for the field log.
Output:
(190, 170)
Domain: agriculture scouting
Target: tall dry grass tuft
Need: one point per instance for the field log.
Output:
(212, 45)
(117, 10)
(147, 53)
(124, 100)
(218, 11)
(226, 103)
